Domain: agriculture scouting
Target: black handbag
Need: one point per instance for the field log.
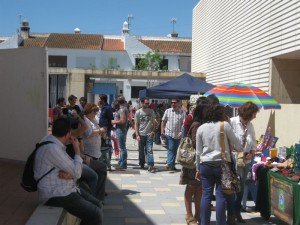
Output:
(230, 180)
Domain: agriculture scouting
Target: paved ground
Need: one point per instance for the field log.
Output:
(139, 197)
(134, 197)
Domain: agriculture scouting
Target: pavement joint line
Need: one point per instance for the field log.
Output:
(154, 212)
(148, 194)
(170, 204)
(162, 189)
(135, 200)
(136, 220)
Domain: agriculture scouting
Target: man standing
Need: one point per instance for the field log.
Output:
(121, 122)
(58, 188)
(105, 118)
(145, 130)
(72, 104)
(171, 125)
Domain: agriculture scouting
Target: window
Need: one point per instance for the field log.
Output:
(57, 61)
(135, 91)
(164, 64)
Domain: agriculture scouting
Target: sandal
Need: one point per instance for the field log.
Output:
(191, 221)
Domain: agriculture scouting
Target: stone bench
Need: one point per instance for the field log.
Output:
(48, 215)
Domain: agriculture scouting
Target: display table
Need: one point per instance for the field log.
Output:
(279, 196)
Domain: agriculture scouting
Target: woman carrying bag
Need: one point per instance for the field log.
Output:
(187, 176)
(208, 157)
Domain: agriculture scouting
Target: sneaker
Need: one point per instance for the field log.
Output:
(174, 168)
(151, 169)
(142, 166)
(117, 167)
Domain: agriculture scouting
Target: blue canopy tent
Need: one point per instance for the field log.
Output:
(180, 87)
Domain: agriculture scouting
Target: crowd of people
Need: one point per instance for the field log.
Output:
(85, 135)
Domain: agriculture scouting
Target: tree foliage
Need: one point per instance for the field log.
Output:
(150, 61)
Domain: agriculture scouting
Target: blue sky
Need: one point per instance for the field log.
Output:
(150, 17)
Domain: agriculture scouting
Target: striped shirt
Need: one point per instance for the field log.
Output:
(55, 155)
(174, 121)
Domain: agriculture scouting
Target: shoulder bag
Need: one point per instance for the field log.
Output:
(230, 180)
(186, 153)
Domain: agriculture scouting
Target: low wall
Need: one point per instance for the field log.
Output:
(284, 123)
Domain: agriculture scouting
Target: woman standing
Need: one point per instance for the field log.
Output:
(187, 176)
(208, 150)
(91, 137)
(244, 130)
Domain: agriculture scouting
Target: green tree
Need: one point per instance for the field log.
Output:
(150, 61)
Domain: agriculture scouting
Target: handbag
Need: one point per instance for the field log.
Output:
(240, 160)
(186, 153)
(230, 180)
(240, 156)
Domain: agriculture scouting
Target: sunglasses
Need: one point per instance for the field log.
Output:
(174, 102)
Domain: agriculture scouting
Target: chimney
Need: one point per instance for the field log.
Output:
(174, 35)
(25, 29)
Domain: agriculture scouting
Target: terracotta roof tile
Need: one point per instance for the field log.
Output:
(74, 41)
(113, 45)
(34, 42)
(169, 46)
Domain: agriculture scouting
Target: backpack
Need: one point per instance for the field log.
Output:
(28, 182)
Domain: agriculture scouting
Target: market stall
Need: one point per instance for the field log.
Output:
(278, 187)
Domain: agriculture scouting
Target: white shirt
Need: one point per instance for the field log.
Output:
(92, 145)
(55, 155)
(173, 120)
(248, 132)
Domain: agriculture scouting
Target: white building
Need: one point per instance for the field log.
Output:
(254, 42)
(92, 64)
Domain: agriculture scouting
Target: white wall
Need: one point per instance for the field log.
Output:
(285, 124)
(24, 100)
(234, 40)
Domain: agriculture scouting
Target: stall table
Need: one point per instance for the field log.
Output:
(278, 195)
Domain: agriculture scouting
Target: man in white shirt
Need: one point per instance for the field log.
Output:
(171, 125)
(58, 188)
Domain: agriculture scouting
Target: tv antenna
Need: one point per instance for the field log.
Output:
(173, 21)
(129, 18)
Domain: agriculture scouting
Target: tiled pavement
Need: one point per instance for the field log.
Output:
(135, 197)
(139, 197)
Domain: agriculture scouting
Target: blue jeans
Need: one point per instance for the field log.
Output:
(157, 140)
(211, 177)
(82, 205)
(145, 146)
(172, 145)
(121, 136)
(90, 177)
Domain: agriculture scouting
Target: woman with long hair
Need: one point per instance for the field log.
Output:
(208, 157)
(187, 176)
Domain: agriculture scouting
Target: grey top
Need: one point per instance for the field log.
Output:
(145, 119)
(208, 143)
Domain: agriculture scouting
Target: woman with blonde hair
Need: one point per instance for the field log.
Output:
(92, 136)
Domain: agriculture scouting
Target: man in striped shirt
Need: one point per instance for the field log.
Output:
(171, 125)
(58, 188)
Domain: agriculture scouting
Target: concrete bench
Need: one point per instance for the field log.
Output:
(48, 215)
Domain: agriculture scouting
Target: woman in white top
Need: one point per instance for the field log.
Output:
(208, 156)
(91, 137)
(244, 129)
